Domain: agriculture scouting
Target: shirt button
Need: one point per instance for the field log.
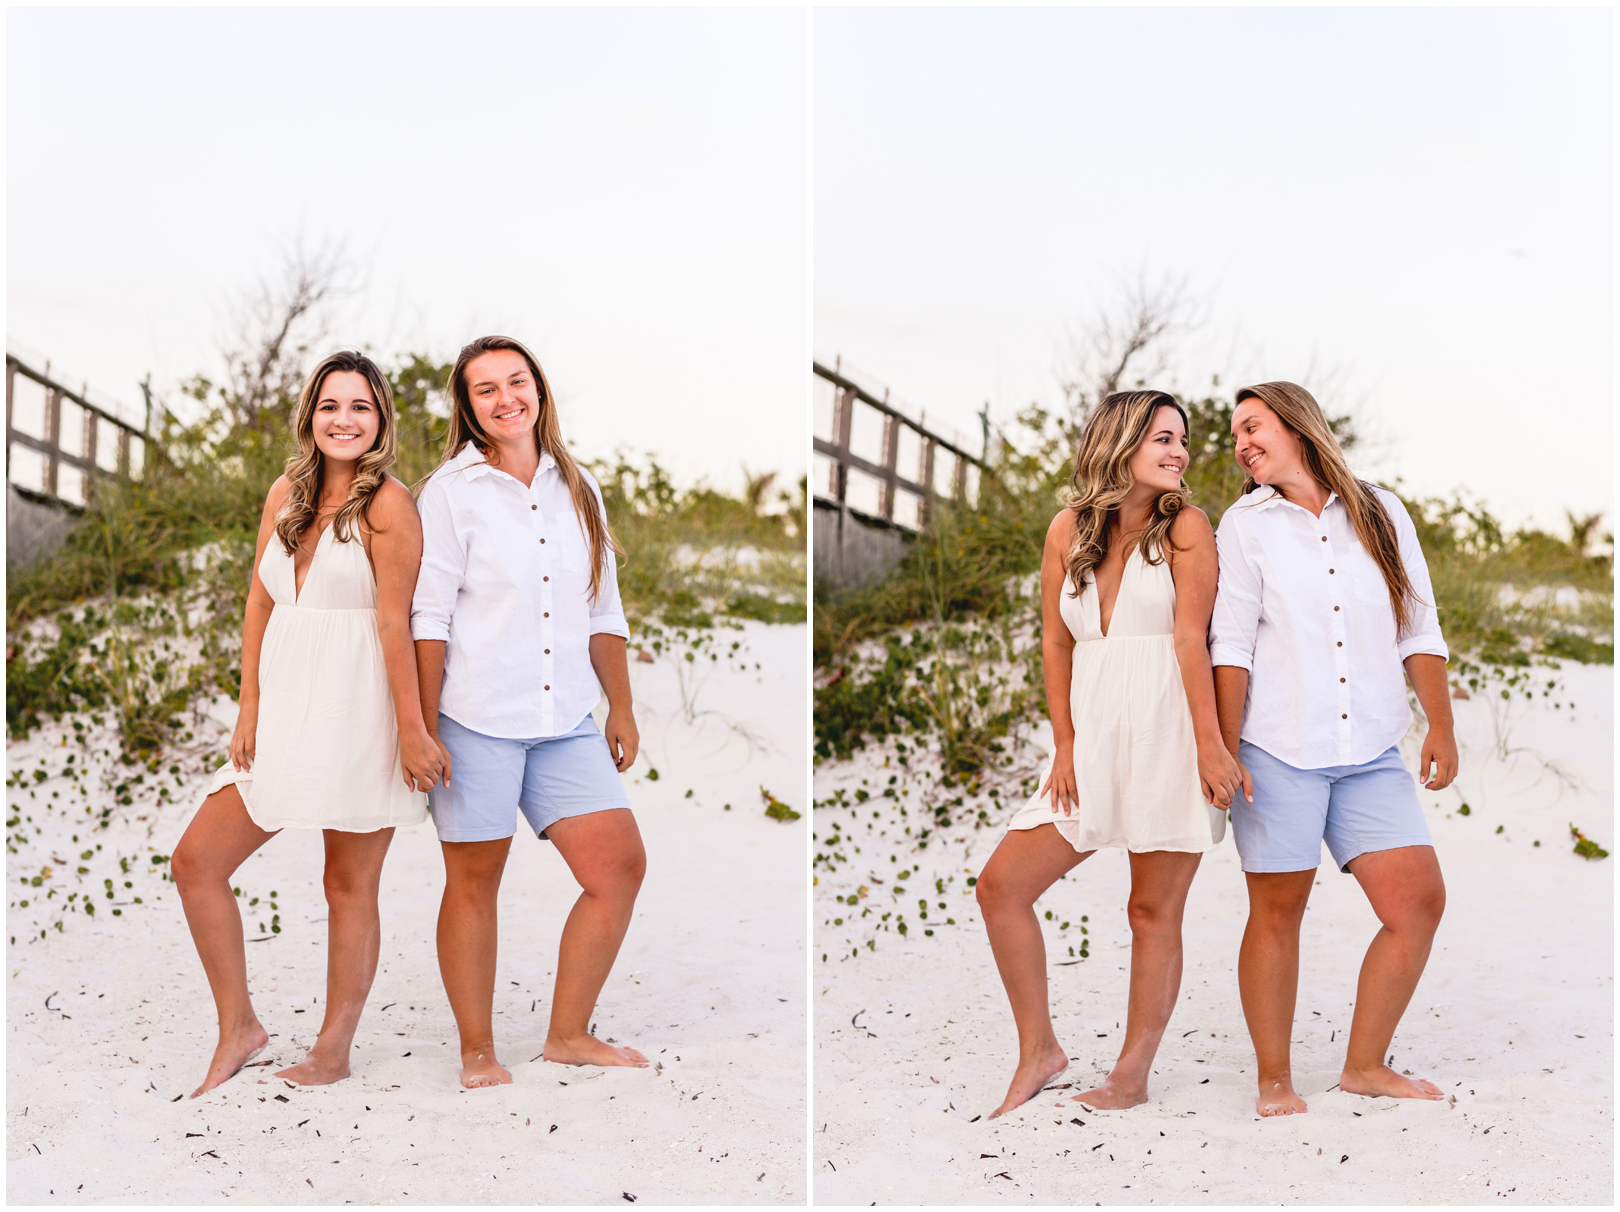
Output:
(1330, 571)
(548, 653)
(1324, 538)
(1342, 717)
(547, 614)
(548, 650)
(548, 578)
(542, 540)
(548, 687)
(1341, 643)
(534, 507)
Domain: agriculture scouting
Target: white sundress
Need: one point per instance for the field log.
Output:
(327, 745)
(1135, 756)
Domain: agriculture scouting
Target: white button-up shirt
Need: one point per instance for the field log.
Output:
(505, 580)
(1303, 607)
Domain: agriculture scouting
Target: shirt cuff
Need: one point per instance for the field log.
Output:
(1423, 645)
(424, 628)
(610, 624)
(1229, 654)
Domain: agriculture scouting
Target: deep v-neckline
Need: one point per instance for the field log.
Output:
(298, 590)
(1119, 592)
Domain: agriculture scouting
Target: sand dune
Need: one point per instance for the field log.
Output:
(110, 1020)
(1513, 1019)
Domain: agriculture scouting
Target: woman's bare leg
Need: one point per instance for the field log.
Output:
(604, 851)
(353, 939)
(1025, 864)
(1159, 883)
(1268, 980)
(217, 842)
(1408, 895)
(467, 941)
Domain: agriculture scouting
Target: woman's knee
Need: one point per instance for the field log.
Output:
(618, 876)
(996, 894)
(190, 867)
(1152, 915)
(345, 886)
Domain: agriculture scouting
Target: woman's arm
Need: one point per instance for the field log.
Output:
(1427, 674)
(254, 620)
(396, 557)
(613, 671)
(1193, 567)
(1057, 662)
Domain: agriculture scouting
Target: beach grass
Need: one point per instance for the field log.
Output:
(139, 613)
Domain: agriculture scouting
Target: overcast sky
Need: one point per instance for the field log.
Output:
(1419, 201)
(627, 191)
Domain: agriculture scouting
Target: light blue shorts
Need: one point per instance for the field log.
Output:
(547, 778)
(1354, 809)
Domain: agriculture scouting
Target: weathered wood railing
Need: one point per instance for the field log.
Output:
(904, 485)
(58, 441)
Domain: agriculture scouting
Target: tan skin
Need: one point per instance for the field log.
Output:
(603, 850)
(1028, 862)
(1403, 885)
(222, 835)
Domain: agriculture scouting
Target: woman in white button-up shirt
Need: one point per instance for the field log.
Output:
(1324, 602)
(519, 633)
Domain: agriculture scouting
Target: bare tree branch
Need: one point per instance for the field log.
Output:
(1128, 345)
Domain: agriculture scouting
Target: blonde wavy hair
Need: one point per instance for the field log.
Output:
(306, 465)
(1114, 432)
(1297, 409)
(464, 428)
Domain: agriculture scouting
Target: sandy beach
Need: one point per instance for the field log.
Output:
(110, 1024)
(914, 1043)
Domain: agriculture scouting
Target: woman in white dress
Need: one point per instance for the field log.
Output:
(327, 669)
(1127, 583)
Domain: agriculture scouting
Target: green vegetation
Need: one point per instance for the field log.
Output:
(891, 655)
(140, 612)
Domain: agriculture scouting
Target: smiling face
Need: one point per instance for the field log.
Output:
(1162, 457)
(346, 420)
(1266, 448)
(505, 397)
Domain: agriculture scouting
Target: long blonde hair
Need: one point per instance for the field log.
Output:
(306, 466)
(1297, 409)
(1114, 432)
(464, 428)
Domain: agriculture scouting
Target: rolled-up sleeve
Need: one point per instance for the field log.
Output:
(1425, 636)
(444, 567)
(607, 611)
(1235, 622)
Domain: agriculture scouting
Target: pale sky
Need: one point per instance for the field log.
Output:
(1419, 200)
(626, 191)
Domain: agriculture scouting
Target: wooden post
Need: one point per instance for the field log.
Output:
(53, 436)
(843, 420)
(891, 459)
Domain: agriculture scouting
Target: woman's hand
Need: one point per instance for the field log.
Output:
(444, 756)
(1222, 776)
(242, 740)
(1061, 782)
(624, 742)
(1439, 751)
(421, 760)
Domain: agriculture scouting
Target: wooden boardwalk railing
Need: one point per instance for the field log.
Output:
(904, 487)
(58, 441)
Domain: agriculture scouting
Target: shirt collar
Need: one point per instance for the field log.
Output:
(471, 460)
(1265, 497)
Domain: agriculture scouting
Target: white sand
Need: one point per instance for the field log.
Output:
(710, 984)
(1513, 1018)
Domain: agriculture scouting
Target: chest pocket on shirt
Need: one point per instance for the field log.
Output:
(1366, 578)
(572, 554)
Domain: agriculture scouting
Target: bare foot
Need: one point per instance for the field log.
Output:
(235, 1050)
(1029, 1077)
(1114, 1095)
(588, 1050)
(1278, 1098)
(1384, 1082)
(482, 1069)
(317, 1071)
